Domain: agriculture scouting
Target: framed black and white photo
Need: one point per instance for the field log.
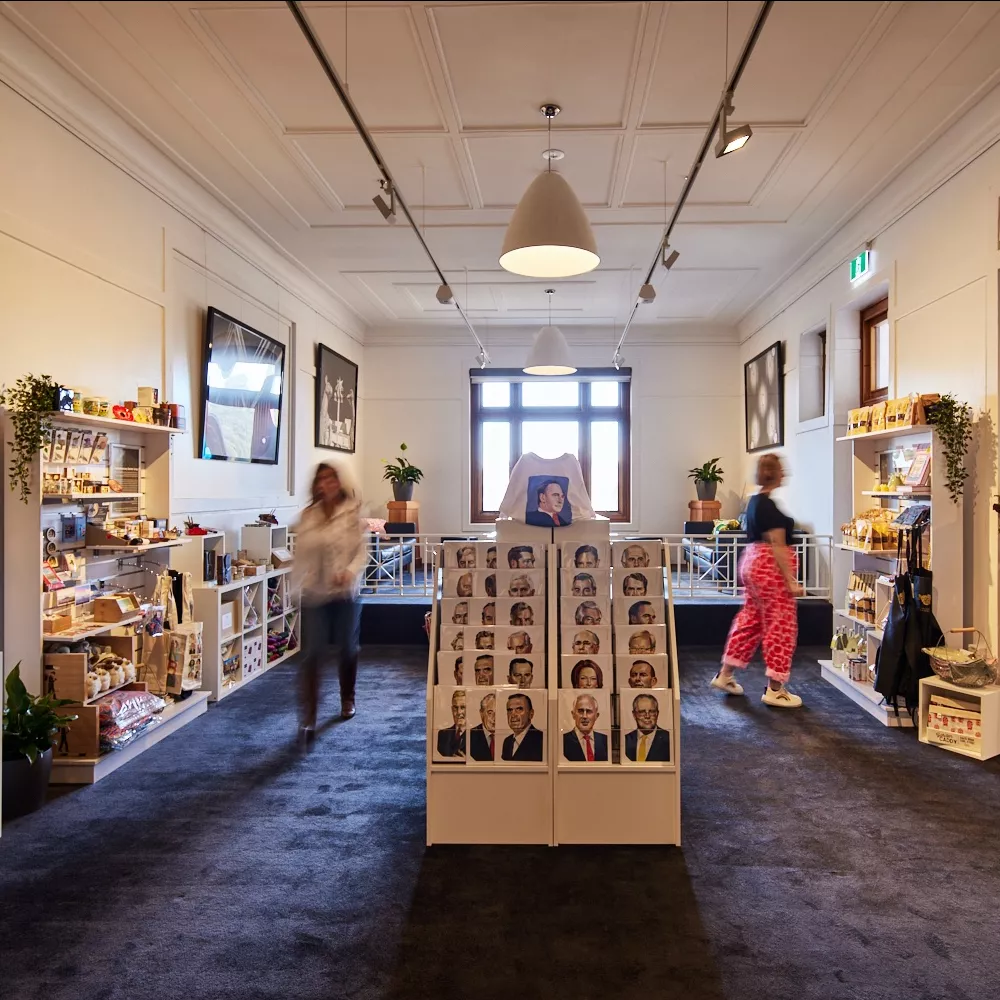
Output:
(764, 399)
(336, 400)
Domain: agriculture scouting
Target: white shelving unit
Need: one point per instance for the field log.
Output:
(985, 700)
(265, 606)
(138, 456)
(875, 457)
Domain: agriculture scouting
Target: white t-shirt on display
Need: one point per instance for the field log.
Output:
(548, 492)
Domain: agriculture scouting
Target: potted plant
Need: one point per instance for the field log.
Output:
(29, 723)
(953, 421)
(30, 403)
(402, 475)
(706, 479)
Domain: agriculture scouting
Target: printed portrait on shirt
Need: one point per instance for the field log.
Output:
(547, 502)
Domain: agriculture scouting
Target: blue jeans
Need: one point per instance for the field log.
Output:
(337, 625)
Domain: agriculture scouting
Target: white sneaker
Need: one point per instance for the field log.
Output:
(727, 684)
(780, 698)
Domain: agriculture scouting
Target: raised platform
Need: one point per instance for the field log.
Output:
(89, 770)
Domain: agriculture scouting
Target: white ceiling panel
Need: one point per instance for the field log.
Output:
(505, 165)
(382, 63)
(504, 60)
(694, 294)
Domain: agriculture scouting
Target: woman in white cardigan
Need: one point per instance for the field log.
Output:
(329, 557)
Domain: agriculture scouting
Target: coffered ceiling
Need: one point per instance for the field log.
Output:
(841, 96)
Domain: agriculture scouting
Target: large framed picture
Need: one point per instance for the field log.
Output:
(336, 400)
(764, 398)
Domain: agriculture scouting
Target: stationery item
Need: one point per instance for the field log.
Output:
(73, 448)
(61, 443)
(100, 448)
(919, 472)
(47, 447)
(86, 448)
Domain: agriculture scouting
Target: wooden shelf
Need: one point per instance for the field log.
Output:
(871, 626)
(104, 694)
(877, 553)
(136, 548)
(895, 432)
(108, 497)
(915, 495)
(92, 629)
(81, 419)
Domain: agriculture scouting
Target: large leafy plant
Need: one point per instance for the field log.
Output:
(30, 401)
(953, 420)
(29, 723)
(401, 471)
(707, 473)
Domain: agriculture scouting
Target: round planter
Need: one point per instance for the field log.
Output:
(403, 492)
(25, 784)
(706, 491)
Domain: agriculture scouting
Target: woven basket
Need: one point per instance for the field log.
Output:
(979, 669)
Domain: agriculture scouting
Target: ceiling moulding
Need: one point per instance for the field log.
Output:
(670, 334)
(40, 80)
(961, 144)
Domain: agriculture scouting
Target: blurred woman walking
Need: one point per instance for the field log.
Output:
(329, 557)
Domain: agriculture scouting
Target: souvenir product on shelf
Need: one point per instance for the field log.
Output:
(450, 726)
(519, 584)
(585, 724)
(520, 641)
(586, 556)
(585, 610)
(636, 554)
(640, 611)
(650, 671)
(586, 672)
(548, 492)
(640, 640)
(520, 726)
(635, 583)
(577, 640)
(521, 671)
(645, 726)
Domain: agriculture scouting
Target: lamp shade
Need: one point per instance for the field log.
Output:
(549, 235)
(549, 354)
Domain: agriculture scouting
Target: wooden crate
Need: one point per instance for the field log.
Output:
(66, 673)
(82, 738)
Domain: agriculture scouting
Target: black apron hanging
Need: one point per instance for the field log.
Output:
(891, 658)
(924, 630)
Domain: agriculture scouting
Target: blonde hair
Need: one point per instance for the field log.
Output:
(769, 470)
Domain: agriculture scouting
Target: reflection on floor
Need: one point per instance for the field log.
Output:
(824, 857)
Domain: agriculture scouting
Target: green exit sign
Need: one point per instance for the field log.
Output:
(861, 266)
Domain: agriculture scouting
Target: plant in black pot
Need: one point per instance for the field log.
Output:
(30, 403)
(403, 476)
(29, 723)
(706, 479)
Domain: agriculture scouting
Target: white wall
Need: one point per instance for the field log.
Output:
(686, 409)
(938, 262)
(104, 286)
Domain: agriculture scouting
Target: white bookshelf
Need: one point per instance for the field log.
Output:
(138, 456)
(872, 457)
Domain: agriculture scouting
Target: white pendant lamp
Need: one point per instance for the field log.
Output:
(550, 352)
(549, 235)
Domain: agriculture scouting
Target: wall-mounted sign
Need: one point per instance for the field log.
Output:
(861, 266)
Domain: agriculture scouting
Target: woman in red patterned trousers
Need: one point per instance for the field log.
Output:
(769, 616)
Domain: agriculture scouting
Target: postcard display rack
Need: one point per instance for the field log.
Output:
(519, 621)
(90, 465)
(251, 624)
(891, 469)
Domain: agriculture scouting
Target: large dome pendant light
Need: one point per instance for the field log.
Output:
(550, 352)
(549, 235)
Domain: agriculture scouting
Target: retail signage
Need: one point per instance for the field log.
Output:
(861, 266)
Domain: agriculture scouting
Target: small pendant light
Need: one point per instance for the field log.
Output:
(550, 352)
(549, 235)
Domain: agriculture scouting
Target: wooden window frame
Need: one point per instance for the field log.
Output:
(870, 318)
(584, 414)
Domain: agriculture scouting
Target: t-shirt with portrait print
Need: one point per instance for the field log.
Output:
(548, 492)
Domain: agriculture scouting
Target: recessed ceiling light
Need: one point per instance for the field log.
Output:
(553, 154)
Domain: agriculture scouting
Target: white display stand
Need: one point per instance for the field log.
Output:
(612, 803)
(554, 802)
(988, 700)
(942, 544)
(500, 803)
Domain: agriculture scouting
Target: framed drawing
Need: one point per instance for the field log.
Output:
(764, 399)
(336, 400)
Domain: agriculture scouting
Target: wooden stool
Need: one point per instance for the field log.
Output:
(705, 510)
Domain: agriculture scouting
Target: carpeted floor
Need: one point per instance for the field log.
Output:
(824, 857)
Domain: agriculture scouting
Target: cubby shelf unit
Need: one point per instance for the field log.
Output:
(874, 457)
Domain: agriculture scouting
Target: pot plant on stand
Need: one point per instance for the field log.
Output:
(403, 475)
(706, 479)
(29, 723)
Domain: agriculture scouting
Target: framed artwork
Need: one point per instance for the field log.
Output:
(336, 400)
(764, 399)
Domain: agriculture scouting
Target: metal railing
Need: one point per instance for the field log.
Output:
(703, 567)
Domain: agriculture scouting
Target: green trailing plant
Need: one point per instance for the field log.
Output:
(953, 421)
(707, 473)
(401, 471)
(30, 402)
(29, 723)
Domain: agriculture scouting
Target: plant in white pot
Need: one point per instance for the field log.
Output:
(29, 723)
(403, 475)
(706, 479)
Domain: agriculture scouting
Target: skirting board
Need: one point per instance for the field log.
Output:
(88, 772)
(865, 696)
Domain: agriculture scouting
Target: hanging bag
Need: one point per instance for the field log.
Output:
(890, 660)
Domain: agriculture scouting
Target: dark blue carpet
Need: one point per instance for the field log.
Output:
(824, 857)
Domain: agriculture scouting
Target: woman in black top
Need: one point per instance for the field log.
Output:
(769, 615)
